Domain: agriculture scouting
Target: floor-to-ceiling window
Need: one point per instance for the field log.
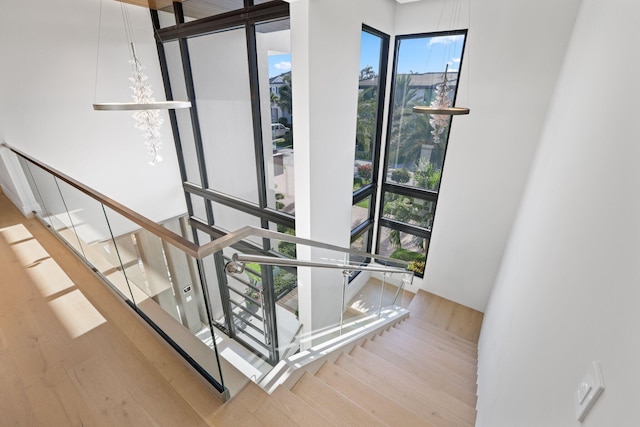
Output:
(426, 67)
(374, 48)
(235, 145)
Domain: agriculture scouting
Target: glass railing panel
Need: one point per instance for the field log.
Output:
(45, 189)
(166, 287)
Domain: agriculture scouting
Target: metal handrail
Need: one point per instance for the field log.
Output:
(287, 262)
(202, 251)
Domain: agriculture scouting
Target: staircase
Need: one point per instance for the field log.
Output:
(420, 372)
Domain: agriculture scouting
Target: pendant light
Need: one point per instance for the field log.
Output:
(146, 110)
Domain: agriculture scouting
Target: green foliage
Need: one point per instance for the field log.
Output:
(426, 175)
(287, 249)
(407, 255)
(283, 282)
(417, 267)
(401, 175)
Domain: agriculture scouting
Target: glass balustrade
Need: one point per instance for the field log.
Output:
(225, 303)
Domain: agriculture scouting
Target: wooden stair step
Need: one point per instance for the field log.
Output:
(461, 363)
(462, 321)
(334, 406)
(438, 336)
(378, 366)
(430, 355)
(270, 413)
(434, 406)
(450, 349)
(427, 328)
(371, 400)
(421, 367)
(297, 409)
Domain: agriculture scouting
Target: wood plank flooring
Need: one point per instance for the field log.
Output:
(72, 354)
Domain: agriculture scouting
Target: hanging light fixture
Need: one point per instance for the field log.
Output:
(440, 108)
(146, 109)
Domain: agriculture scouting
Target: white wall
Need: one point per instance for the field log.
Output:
(567, 292)
(325, 53)
(513, 54)
(47, 86)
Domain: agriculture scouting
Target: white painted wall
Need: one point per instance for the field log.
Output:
(47, 86)
(510, 65)
(567, 292)
(325, 52)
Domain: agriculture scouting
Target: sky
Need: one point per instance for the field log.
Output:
(279, 64)
(418, 55)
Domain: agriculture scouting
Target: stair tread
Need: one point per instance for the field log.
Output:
(425, 327)
(372, 401)
(271, 411)
(233, 415)
(333, 405)
(379, 366)
(297, 409)
(449, 348)
(464, 368)
(457, 319)
(433, 405)
(429, 372)
(437, 335)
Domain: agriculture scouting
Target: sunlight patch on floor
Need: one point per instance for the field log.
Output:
(76, 313)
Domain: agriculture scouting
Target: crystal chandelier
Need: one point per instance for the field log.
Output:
(146, 110)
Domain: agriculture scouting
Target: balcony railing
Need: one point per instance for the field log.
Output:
(202, 298)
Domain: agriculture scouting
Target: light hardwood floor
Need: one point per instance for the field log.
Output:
(72, 354)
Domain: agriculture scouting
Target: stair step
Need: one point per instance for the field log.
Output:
(435, 406)
(378, 368)
(464, 368)
(437, 335)
(297, 409)
(371, 400)
(271, 413)
(427, 328)
(333, 405)
(421, 367)
(457, 319)
(450, 349)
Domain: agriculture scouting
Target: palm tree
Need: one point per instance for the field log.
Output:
(285, 94)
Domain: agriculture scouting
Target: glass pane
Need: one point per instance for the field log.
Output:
(273, 50)
(360, 212)
(166, 17)
(183, 116)
(360, 244)
(221, 80)
(230, 219)
(409, 210)
(286, 249)
(41, 184)
(199, 207)
(426, 73)
(404, 246)
(368, 99)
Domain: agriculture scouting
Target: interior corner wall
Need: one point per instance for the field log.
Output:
(512, 58)
(567, 293)
(325, 54)
(53, 69)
